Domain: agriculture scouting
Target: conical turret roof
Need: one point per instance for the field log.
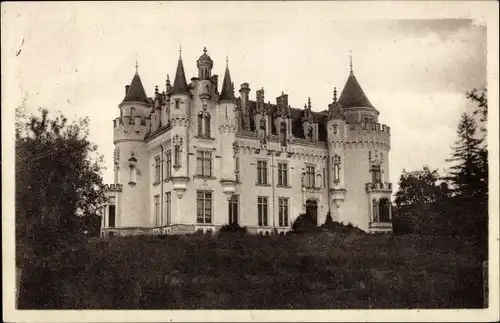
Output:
(180, 85)
(353, 95)
(136, 91)
(227, 92)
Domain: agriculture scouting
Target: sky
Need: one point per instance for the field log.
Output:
(76, 58)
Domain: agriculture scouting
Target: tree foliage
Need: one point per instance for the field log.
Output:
(479, 96)
(57, 179)
(468, 172)
(420, 187)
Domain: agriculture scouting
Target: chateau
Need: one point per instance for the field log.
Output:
(194, 157)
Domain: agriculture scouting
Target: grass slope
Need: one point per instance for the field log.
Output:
(321, 270)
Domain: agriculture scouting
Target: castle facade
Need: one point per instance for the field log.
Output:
(193, 158)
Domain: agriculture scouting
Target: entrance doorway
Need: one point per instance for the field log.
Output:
(312, 211)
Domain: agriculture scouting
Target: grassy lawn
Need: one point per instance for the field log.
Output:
(321, 270)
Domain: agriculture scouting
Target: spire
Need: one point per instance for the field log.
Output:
(335, 110)
(353, 95)
(136, 64)
(350, 63)
(136, 91)
(180, 84)
(227, 92)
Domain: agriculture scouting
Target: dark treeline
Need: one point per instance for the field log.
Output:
(455, 203)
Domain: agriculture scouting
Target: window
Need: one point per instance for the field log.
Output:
(204, 207)
(177, 103)
(282, 174)
(177, 155)
(283, 127)
(168, 208)
(207, 125)
(204, 163)
(384, 210)
(336, 173)
(233, 209)
(368, 119)
(111, 214)
(262, 172)
(336, 169)
(168, 167)
(157, 169)
(262, 211)
(237, 168)
(376, 178)
(283, 211)
(200, 124)
(204, 124)
(310, 176)
(324, 178)
(157, 209)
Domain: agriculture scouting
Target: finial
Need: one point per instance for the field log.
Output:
(350, 61)
(180, 51)
(227, 61)
(205, 50)
(334, 94)
(309, 102)
(156, 89)
(168, 78)
(305, 106)
(136, 63)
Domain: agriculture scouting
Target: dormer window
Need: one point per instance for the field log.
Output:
(283, 127)
(177, 103)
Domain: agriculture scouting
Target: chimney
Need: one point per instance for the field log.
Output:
(244, 91)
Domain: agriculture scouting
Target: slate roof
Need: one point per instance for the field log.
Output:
(136, 91)
(227, 91)
(296, 116)
(353, 95)
(180, 85)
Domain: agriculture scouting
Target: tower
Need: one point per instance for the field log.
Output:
(336, 125)
(131, 151)
(180, 104)
(227, 129)
(204, 64)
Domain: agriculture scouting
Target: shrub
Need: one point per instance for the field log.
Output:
(303, 223)
(233, 228)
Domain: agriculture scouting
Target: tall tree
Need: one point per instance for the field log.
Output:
(467, 172)
(480, 97)
(417, 187)
(56, 179)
